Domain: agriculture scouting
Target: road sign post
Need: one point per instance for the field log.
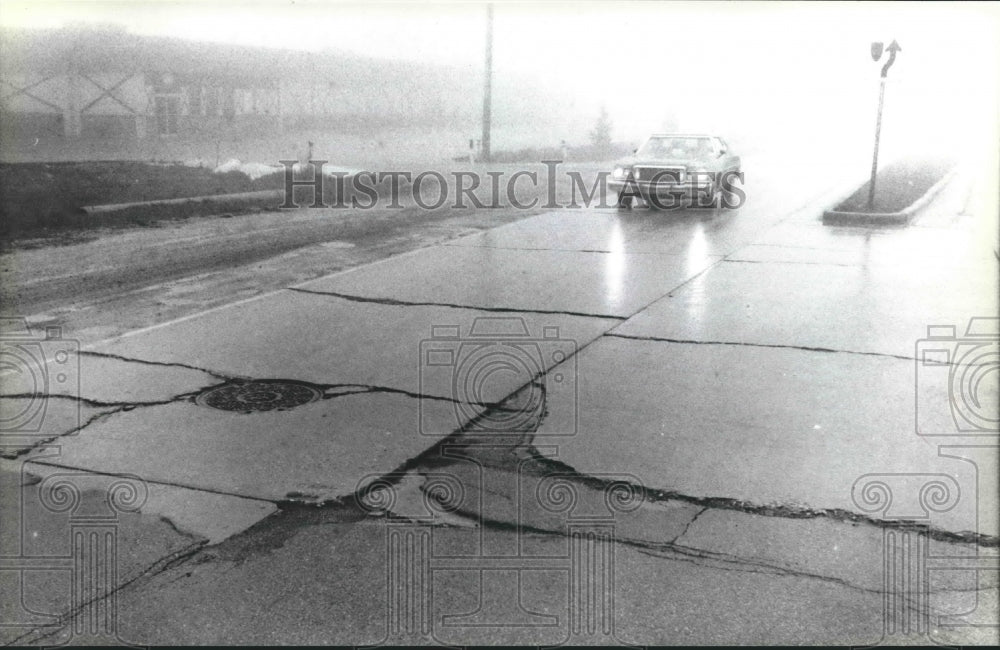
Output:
(876, 55)
(488, 86)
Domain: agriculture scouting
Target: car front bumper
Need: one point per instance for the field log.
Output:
(690, 189)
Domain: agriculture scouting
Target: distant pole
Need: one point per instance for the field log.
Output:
(878, 133)
(488, 84)
(877, 55)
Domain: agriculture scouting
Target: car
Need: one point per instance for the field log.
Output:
(671, 167)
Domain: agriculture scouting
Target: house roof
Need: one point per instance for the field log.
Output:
(108, 49)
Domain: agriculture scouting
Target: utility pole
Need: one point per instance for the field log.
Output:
(876, 55)
(488, 85)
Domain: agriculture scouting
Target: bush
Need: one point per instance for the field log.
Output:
(48, 196)
(897, 186)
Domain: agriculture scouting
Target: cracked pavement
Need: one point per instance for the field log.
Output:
(703, 432)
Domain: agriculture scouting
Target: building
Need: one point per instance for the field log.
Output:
(107, 84)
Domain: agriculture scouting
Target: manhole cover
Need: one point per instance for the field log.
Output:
(263, 395)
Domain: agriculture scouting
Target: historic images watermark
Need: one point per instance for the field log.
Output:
(930, 582)
(956, 380)
(34, 366)
(444, 583)
(465, 555)
(59, 557)
(477, 366)
(521, 189)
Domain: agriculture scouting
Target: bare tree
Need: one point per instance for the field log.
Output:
(600, 136)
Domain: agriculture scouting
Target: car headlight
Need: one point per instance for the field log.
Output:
(621, 173)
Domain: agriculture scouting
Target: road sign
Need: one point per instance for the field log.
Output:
(892, 49)
(877, 51)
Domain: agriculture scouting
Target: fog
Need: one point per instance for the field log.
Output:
(777, 76)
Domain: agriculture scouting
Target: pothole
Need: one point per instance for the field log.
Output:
(260, 395)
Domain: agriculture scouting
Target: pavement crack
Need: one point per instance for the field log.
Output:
(392, 302)
(727, 562)
(840, 264)
(18, 452)
(168, 364)
(688, 524)
(408, 393)
(38, 634)
(331, 391)
(796, 247)
(671, 551)
(365, 389)
(175, 484)
(183, 533)
(75, 398)
(126, 406)
(804, 348)
(786, 511)
(680, 553)
(113, 409)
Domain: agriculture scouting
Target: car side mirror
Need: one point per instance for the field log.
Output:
(636, 150)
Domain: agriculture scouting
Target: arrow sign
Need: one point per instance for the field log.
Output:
(876, 55)
(893, 48)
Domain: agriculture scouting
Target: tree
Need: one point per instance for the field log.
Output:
(600, 137)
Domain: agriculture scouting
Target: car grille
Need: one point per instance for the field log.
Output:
(661, 174)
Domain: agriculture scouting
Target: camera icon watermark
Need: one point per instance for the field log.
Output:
(445, 582)
(61, 562)
(34, 366)
(498, 358)
(957, 380)
(930, 586)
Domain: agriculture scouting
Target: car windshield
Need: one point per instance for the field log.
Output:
(676, 147)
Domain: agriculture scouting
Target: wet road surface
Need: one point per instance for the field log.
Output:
(587, 426)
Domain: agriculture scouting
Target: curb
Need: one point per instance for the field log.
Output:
(249, 197)
(261, 198)
(837, 218)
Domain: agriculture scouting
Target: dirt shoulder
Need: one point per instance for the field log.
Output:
(126, 279)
